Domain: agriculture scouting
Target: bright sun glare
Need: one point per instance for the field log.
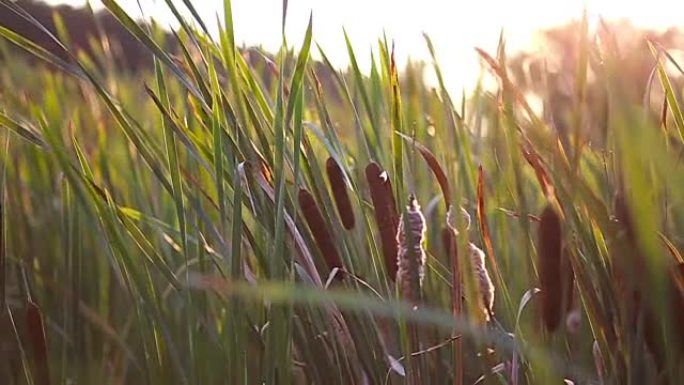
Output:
(454, 27)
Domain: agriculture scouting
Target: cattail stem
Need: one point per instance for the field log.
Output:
(451, 249)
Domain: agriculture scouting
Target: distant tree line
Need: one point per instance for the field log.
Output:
(91, 32)
(87, 31)
(548, 73)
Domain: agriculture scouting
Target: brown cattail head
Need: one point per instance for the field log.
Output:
(339, 190)
(550, 278)
(36, 335)
(319, 229)
(386, 216)
(411, 256)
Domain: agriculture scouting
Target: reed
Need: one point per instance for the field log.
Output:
(128, 196)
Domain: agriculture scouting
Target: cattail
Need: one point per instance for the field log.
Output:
(36, 335)
(339, 190)
(386, 216)
(484, 283)
(550, 268)
(319, 229)
(411, 256)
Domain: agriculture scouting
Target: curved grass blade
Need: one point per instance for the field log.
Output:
(19, 129)
(434, 165)
(300, 67)
(40, 52)
(140, 34)
(670, 94)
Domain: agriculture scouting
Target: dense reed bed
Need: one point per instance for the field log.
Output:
(212, 221)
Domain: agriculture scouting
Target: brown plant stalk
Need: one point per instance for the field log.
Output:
(451, 250)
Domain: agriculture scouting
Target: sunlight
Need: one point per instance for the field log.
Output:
(454, 28)
(190, 206)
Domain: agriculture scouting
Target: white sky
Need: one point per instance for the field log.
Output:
(454, 26)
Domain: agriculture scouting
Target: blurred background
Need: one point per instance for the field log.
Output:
(455, 27)
(122, 179)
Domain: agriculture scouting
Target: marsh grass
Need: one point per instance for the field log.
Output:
(183, 225)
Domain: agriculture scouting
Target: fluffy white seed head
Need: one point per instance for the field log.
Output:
(411, 256)
(484, 283)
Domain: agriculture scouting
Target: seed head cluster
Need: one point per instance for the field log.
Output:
(411, 256)
(477, 262)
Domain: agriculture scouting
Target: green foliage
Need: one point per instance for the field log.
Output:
(152, 218)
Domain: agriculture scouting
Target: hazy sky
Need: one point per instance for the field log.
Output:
(454, 26)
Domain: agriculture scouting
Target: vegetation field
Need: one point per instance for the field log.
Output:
(224, 215)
